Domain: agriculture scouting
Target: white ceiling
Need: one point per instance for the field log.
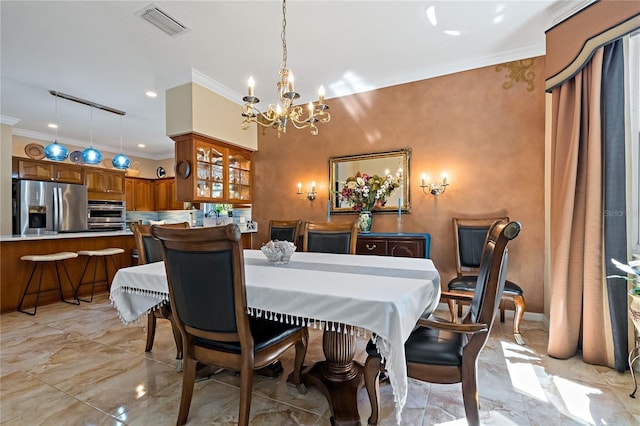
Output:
(103, 52)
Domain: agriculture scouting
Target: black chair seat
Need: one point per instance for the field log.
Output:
(265, 333)
(430, 346)
(468, 283)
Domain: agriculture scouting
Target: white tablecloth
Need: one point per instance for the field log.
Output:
(385, 295)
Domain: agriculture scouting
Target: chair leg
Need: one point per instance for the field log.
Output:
(246, 386)
(151, 331)
(452, 309)
(501, 310)
(518, 301)
(64, 268)
(470, 395)
(177, 337)
(301, 352)
(372, 368)
(188, 380)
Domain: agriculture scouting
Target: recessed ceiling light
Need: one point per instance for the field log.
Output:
(52, 125)
(141, 145)
(151, 93)
(452, 32)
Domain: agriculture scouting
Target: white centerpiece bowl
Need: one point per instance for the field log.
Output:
(278, 252)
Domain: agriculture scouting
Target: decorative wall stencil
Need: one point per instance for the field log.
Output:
(519, 72)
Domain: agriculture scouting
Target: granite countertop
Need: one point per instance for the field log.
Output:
(89, 234)
(64, 235)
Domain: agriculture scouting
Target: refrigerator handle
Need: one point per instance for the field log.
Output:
(57, 206)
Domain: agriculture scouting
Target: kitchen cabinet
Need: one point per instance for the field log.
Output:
(139, 194)
(165, 195)
(397, 245)
(104, 184)
(211, 171)
(47, 170)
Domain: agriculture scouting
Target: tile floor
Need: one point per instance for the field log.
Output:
(73, 365)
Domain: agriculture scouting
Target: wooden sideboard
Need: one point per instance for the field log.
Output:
(392, 244)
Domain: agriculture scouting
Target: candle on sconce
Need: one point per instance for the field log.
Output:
(424, 178)
(251, 84)
(299, 187)
(444, 178)
(321, 95)
(313, 186)
(310, 109)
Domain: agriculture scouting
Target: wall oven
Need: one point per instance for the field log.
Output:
(106, 215)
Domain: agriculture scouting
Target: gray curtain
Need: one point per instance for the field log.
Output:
(614, 178)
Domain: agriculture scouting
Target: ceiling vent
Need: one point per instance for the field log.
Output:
(161, 19)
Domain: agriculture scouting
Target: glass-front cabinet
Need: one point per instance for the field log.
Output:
(239, 177)
(211, 171)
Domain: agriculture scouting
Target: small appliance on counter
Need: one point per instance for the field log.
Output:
(41, 207)
(242, 218)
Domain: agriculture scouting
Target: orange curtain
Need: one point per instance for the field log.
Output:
(578, 310)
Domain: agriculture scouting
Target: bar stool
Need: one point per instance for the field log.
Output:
(94, 255)
(40, 260)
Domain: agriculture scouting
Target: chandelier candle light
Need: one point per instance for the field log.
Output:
(285, 110)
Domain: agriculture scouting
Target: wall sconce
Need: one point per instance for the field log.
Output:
(311, 195)
(435, 188)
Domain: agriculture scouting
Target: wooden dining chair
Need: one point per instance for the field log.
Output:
(149, 251)
(285, 230)
(441, 351)
(469, 237)
(205, 274)
(329, 237)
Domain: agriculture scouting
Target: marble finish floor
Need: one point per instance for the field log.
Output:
(79, 365)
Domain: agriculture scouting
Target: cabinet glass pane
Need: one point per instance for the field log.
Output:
(216, 173)
(217, 190)
(203, 170)
(203, 189)
(203, 153)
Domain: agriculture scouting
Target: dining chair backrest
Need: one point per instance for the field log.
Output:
(205, 272)
(285, 230)
(149, 249)
(491, 272)
(469, 239)
(328, 237)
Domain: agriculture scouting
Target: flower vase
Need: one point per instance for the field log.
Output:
(364, 221)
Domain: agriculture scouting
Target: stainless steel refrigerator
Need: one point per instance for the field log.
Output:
(48, 207)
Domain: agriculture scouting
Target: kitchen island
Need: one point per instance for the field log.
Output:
(14, 272)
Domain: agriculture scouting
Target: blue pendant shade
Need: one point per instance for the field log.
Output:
(91, 156)
(121, 162)
(56, 152)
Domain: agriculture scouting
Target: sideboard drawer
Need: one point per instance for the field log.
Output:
(368, 245)
(397, 245)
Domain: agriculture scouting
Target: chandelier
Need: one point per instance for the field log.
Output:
(285, 111)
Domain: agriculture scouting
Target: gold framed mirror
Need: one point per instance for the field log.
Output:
(396, 163)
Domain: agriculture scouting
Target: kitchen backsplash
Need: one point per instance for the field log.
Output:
(194, 217)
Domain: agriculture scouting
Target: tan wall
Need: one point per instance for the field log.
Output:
(193, 108)
(5, 179)
(490, 140)
(571, 42)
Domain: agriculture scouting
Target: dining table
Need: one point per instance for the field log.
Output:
(346, 295)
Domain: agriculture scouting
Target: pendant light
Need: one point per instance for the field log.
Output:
(91, 155)
(54, 151)
(121, 161)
